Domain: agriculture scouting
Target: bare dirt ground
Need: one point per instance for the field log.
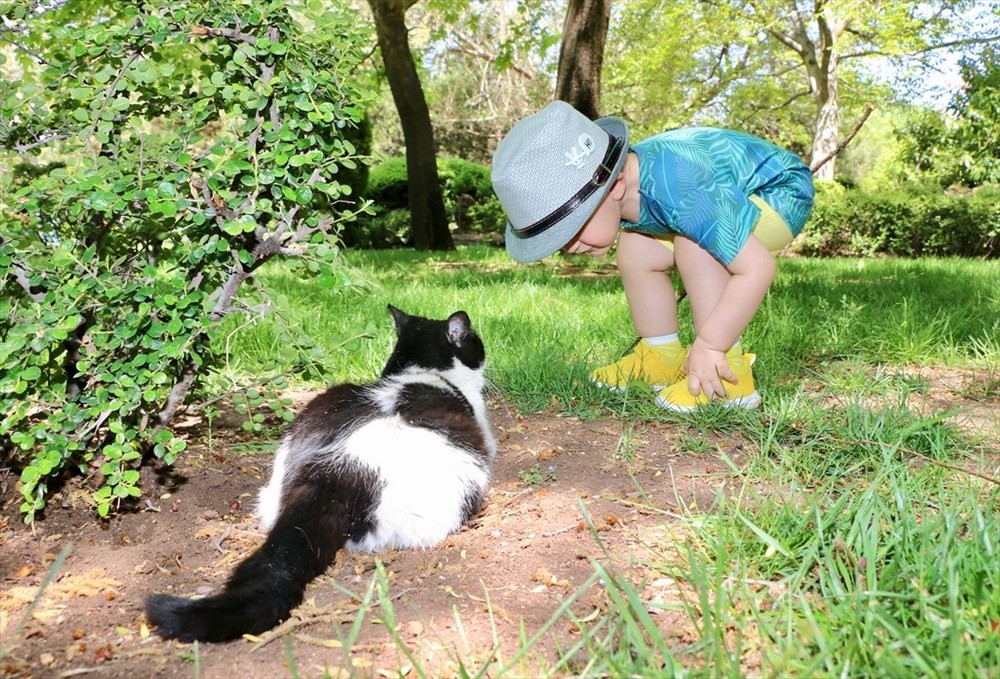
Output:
(565, 492)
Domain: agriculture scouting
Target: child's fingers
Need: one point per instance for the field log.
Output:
(711, 387)
(706, 373)
(727, 374)
(694, 384)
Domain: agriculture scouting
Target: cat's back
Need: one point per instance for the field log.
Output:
(332, 415)
(433, 458)
(417, 439)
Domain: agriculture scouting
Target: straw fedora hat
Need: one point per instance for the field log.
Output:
(550, 172)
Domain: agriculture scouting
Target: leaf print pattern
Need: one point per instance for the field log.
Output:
(697, 182)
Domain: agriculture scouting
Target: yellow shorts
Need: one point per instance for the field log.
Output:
(770, 229)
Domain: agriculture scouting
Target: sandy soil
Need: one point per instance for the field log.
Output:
(561, 496)
(566, 493)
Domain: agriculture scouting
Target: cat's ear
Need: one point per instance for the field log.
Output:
(399, 317)
(459, 326)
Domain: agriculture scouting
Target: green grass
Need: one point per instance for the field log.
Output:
(849, 544)
(547, 324)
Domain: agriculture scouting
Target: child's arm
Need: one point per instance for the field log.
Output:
(752, 272)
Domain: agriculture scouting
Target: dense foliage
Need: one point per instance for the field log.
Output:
(196, 141)
(962, 147)
(469, 199)
(902, 222)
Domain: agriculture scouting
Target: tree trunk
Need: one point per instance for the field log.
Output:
(429, 223)
(821, 59)
(825, 139)
(827, 132)
(581, 55)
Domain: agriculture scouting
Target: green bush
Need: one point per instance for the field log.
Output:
(387, 186)
(465, 185)
(193, 146)
(905, 222)
(488, 217)
(382, 228)
(470, 203)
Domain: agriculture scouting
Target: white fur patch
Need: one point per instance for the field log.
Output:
(425, 480)
(425, 477)
(269, 497)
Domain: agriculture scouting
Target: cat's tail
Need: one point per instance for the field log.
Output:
(264, 588)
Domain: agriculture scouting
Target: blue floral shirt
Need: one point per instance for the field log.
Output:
(697, 182)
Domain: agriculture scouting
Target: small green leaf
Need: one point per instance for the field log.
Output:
(304, 195)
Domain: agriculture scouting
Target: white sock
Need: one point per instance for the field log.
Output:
(660, 340)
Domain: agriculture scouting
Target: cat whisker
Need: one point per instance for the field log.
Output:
(495, 396)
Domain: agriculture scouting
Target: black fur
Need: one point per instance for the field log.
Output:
(270, 582)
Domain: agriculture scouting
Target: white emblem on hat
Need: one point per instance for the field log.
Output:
(578, 154)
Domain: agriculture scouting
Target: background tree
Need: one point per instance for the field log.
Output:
(962, 145)
(698, 54)
(487, 65)
(581, 55)
(977, 128)
(426, 203)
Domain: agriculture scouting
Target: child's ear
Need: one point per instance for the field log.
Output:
(617, 191)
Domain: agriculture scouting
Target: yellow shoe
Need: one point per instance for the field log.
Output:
(678, 398)
(657, 366)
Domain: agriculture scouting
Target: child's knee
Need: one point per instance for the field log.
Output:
(642, 252)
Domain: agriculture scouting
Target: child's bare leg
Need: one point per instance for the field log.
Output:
(643, 263)
(704, 278)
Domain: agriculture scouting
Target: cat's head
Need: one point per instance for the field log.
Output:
(434, 344)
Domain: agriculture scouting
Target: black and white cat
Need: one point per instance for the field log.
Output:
(399, 463)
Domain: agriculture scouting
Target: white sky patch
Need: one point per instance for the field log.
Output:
(932, 86)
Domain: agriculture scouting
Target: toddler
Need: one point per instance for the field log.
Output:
(715, 203)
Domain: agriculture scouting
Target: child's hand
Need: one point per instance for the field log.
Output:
(706, 369)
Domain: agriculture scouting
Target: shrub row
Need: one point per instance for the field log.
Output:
(468, 194)
(905, 222)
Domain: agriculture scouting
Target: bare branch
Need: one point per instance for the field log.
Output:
(24, 148)
(21, 48)
(964, 42)
(470, 48)
(217, 204)
(847, 140)
(177, 396)
(230, 33)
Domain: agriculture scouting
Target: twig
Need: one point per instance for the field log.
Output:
(222, 538)
(84, 670)
(641, 506)
(847, 140)
(954, 468)
(230, 33)
(559, 531)
(293, 622)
